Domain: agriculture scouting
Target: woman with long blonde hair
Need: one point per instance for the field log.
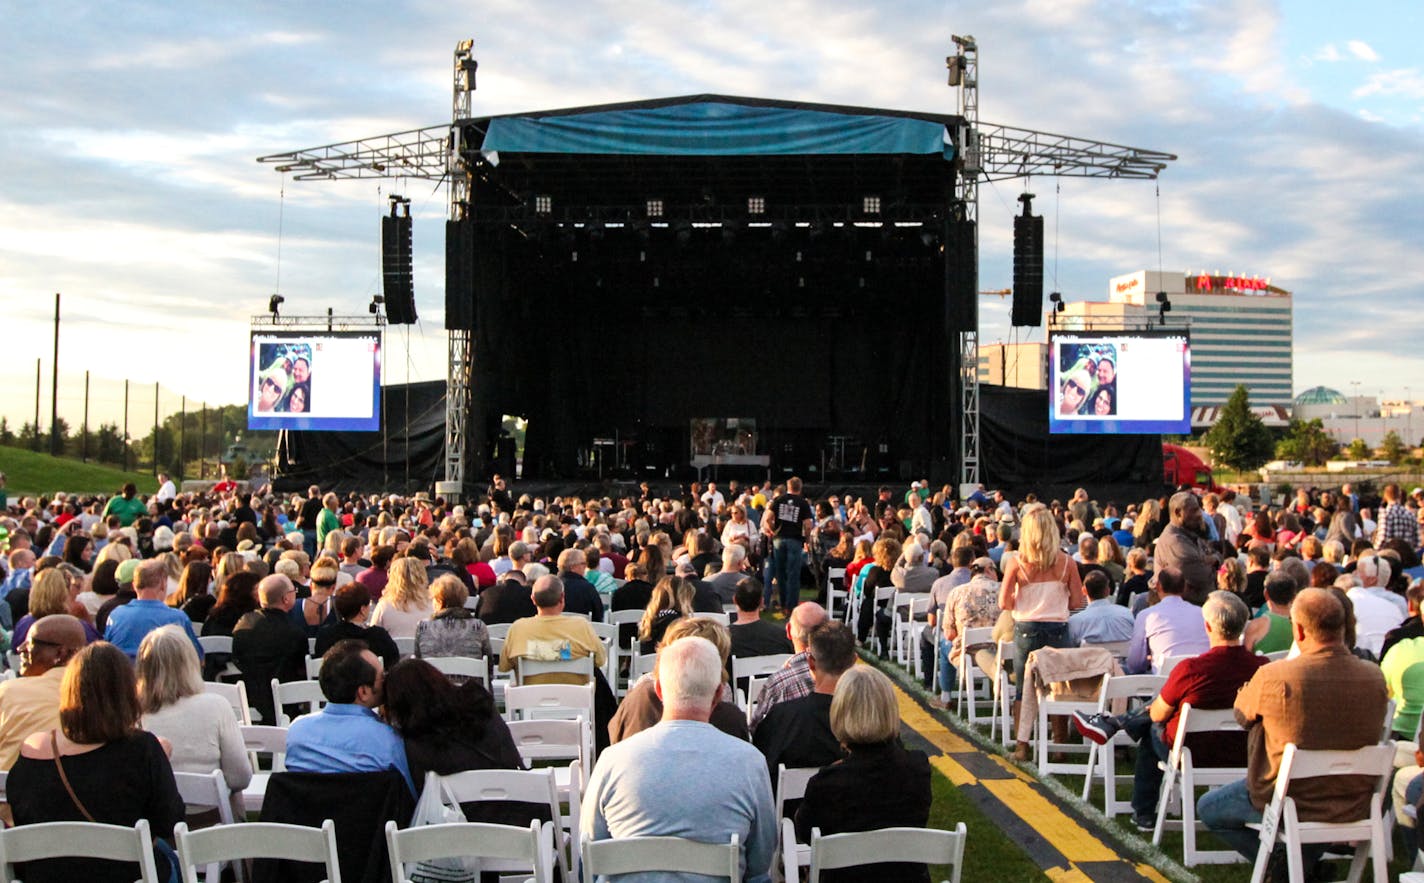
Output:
(671, 601)
(405, 601)
(1040, 586)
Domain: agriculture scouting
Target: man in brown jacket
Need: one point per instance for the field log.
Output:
(1300, 700)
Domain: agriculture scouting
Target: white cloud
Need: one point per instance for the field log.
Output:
(1404, 82)
(1362, 50)
(1327, 53)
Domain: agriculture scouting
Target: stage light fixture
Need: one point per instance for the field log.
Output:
(756, 205)
(468, 66)
(543, 203)
(1164, 306)
(870, 205)
(655, 208)
(375, 307)
(955, 64)
(273, 303)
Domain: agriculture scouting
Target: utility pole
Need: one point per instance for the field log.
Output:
(84, 440)
(126, 424)
(155, 429)
(37, 405)
(182, 433)
(54, 439)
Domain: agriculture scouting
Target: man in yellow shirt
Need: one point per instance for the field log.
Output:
(30, 703)
(545, 635)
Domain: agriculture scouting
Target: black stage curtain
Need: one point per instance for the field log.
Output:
(1018, 456)
(408, 456)
(632, 333)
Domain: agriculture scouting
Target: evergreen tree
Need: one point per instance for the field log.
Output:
(1307, 442)
(1393, 447)
(1239, 439)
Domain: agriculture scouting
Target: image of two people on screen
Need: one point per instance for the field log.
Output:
(1087, 380)
(284, 383)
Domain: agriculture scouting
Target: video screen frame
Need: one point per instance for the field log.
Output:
(1084, 374)
(285, 380)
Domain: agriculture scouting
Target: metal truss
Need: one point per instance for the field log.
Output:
(970, 156)
(460, 343)
(360, 322)
(1009, 152)
(417, 153)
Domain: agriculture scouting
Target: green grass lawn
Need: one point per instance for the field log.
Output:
(31, 474)
(989, 854)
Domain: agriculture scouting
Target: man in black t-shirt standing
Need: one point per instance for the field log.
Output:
(787, 522)
(306, 519)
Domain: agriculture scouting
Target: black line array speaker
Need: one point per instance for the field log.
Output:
(1028, 267)
(459, 275)
(961, 277)
(398, 287)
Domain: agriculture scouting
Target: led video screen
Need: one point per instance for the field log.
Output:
(314, 381)
(1119, 382)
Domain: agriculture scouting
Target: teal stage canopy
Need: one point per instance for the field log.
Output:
(720, 126)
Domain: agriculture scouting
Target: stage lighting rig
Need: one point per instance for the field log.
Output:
(375, 307)
(273, 303)
(1164, 306)
(1056, 298)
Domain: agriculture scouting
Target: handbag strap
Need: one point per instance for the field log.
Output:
(54, 747)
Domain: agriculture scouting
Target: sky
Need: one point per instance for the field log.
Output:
(130, 133)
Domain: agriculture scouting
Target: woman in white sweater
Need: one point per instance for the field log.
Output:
(201, 726)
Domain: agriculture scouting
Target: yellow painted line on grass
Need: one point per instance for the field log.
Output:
(1067, 875)
(1011, 767)
(1152, 874)
(1072, 840)
(953, 770)
(919, 720)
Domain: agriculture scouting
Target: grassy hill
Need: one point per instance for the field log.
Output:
(29, 473)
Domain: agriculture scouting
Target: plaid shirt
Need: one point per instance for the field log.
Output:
(1398, 523)
(792, 682)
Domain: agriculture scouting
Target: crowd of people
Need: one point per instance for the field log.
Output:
(104, 601)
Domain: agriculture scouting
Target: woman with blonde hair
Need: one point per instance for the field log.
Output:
(642, 708)
(405, 601)
(1231, 577)
(850, 794)
(199, 725)
(1041, 585)
(671, 600)
(317, 610)
(116, 552)
(50, 594)
(876, 575)
(1110, 558)
(1147, 525)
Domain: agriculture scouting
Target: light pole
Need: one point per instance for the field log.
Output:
(1408, 421)
(1356, 406)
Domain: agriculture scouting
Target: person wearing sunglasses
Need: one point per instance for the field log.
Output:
(1075, 392)
(30, 703)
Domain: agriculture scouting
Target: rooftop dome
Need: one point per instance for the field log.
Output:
(1321, 395)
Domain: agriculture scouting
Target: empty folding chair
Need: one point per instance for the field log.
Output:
(834, 576)
(257, 840)
(203, 792)
(29, 843)
(565, 740)
(538, 787)
(1133, 690)
(556, 701)
(928, 846)
(262, 740)
(666, 855)
(530, 847)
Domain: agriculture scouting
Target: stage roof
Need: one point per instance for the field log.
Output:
(719, 125)
(703, 153)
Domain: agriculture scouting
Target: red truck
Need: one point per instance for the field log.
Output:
(1180, 467)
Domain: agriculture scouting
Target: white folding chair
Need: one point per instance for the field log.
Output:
(236, 697)
(1044, 746)
(754, 688)
(313, 667)
(523, 786)
(530, 847)
(406, 645)
(975, 685)
(588, 617)
(498, 629)
(626, 650)
(608, 634)
(557, 701)
(526, 668)
(640, 664)
(568, 740)
(629, 855)
(295, 693)
(718, 617)
(756, 666)
(253, 840)
(1280, 821)
(311, 646)
(264, 740)
(28, 843)
(202, 792)
(1170, 662)
(904, 609)
(470, 667)
(1182, 777)
(884, 594)
(791, 785)
(214, 644)
(918, 845)
(1117, 648)
(1132, 690)
(834, 594)
(1005, 654)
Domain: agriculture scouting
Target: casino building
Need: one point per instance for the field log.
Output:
(1241, 331)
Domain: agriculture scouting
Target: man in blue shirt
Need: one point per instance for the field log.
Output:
(346, 736)
(1102, 621)
(130, 623)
